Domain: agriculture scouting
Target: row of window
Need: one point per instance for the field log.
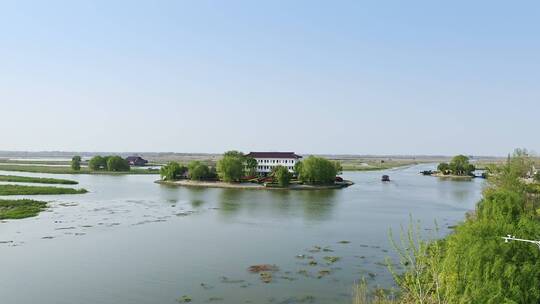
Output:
(276, 161)
(270, 167)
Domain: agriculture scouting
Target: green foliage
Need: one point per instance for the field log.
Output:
(35, 190)
(537, 176)
(68, 170)
(97, 162)
(231, 167)
(459, 165)
(76, 163)
(317, 170)
(113, 163)
(116, 163)
(474, 264)
(172, 171)
(339, 168)
(421, 260)
(198, 170)
(282, 175)
(444, 168)
(298, 168)
(251, 166)
(17, 209)
(40, 180)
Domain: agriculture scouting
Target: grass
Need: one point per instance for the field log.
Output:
(37, 190)
(68, 170)
(18, 209)
(39, 180)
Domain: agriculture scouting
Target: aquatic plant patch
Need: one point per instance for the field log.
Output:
(18, 209)
(39, 180)
(37, 190)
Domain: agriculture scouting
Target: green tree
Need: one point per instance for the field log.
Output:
(251, 166)
(97, 163)
(473, 264)
(116, 163)
(444, 168)
(198, 170)
(172, 171)
(537, 176)
(76, 163)
(318, 170)
(282, 175)
(339, 168)
(459, 165)
(230, 168)
(298, 168)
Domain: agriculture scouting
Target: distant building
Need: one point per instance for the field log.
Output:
(136, 161)
(267, 161)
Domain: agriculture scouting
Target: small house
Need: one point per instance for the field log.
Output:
(136, 161)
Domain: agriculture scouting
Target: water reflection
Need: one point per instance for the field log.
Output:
(308, 205)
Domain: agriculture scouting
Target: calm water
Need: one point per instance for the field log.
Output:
(132, 241)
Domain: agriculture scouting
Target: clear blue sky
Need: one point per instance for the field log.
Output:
(380, 77)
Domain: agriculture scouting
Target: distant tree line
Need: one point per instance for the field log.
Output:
(195, 170)
(113, 163)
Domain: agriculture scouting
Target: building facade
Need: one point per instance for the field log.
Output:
(267, 161)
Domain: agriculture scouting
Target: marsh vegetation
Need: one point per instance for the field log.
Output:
(18, 209)
(38, 180)
(37, 190)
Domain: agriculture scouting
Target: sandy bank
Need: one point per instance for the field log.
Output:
(249, 186)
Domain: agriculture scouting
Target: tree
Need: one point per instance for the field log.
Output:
(318, 170)
(460, 165)
(198, 170)
(537, 176)
(339, 168)
(443, 168)
(282, 175)
(116, 163)
(251, 166)
(231, 167)
(76, 163)
(172, 171)
(97, 163)
(298, 168)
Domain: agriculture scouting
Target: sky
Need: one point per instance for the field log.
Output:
(329, 77)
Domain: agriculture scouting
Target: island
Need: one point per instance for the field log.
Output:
(257, 170)
(458, 168)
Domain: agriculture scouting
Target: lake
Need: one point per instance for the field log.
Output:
(130, 240)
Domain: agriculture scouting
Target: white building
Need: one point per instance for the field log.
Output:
(266, 161)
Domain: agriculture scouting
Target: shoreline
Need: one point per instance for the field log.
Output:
(462, 177)
(251, 186)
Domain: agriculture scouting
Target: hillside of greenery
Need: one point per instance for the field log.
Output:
(474, 264)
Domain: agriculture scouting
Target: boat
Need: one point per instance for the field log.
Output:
(385, 178)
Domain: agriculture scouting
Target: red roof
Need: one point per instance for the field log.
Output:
(273, 155)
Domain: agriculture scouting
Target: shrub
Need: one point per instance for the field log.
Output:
(231, 167)
(117, 163)
(318, 170)
(282, 175)
(198, 170)
(97, 162)
(172, 171)
(76, 163)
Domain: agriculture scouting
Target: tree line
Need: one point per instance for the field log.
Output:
(113, 163)
(235, 166)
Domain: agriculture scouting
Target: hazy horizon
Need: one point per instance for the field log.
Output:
(414, 78)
